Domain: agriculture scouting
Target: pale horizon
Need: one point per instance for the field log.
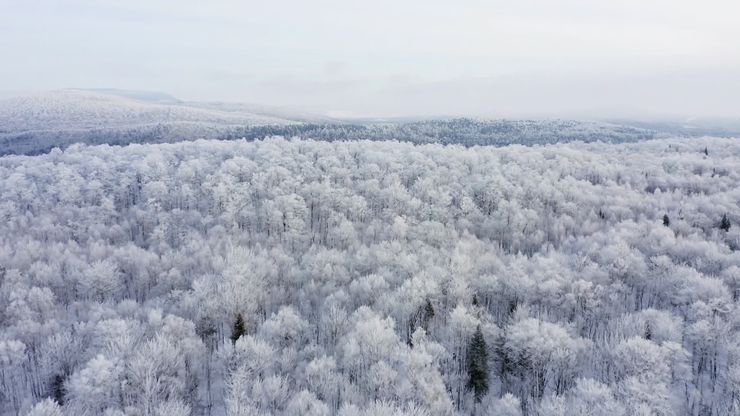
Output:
(651, 59)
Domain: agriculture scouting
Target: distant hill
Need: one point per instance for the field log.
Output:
(474, 132)
(37, 123)
(692, 127)
(148, 96)
(462, 131)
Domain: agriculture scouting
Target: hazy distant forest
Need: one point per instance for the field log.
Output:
(37, 123)
(463, 131)
(363, 278)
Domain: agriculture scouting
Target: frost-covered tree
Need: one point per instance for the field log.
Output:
(365, 272)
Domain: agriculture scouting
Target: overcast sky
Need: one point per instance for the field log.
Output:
(514, 58)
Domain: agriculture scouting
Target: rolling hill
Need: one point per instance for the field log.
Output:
(37, 123)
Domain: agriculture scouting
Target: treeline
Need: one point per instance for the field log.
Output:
(301, 277)
(463, 131)
(466, 132)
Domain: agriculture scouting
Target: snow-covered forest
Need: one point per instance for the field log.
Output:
(37, 123)
(361, 278)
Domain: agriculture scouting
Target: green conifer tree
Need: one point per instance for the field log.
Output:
(725, 223)
(478, 365)
(238, 329)
(428, 314)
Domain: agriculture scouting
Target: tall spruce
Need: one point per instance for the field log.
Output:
(725, 223)
(428, 314)
(666, 220)
(238, 329)
(57, 388)
(478, 365)
(648, 331)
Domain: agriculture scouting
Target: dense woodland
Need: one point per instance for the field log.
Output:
(464, 131)
(37, 123)
(300, 277)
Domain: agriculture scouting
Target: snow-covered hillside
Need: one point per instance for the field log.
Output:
(481, 132)
(77, 109)
(39, 122)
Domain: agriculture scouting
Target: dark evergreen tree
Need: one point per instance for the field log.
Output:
(429, 310)
(706, 151)
(478, 365)
(666, 220)
(410, 333)
(648, 331)
(724, 224)
(428, 314)
(239, 328)
(57, 388)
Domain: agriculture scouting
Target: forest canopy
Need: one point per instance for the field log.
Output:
(301, 277)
